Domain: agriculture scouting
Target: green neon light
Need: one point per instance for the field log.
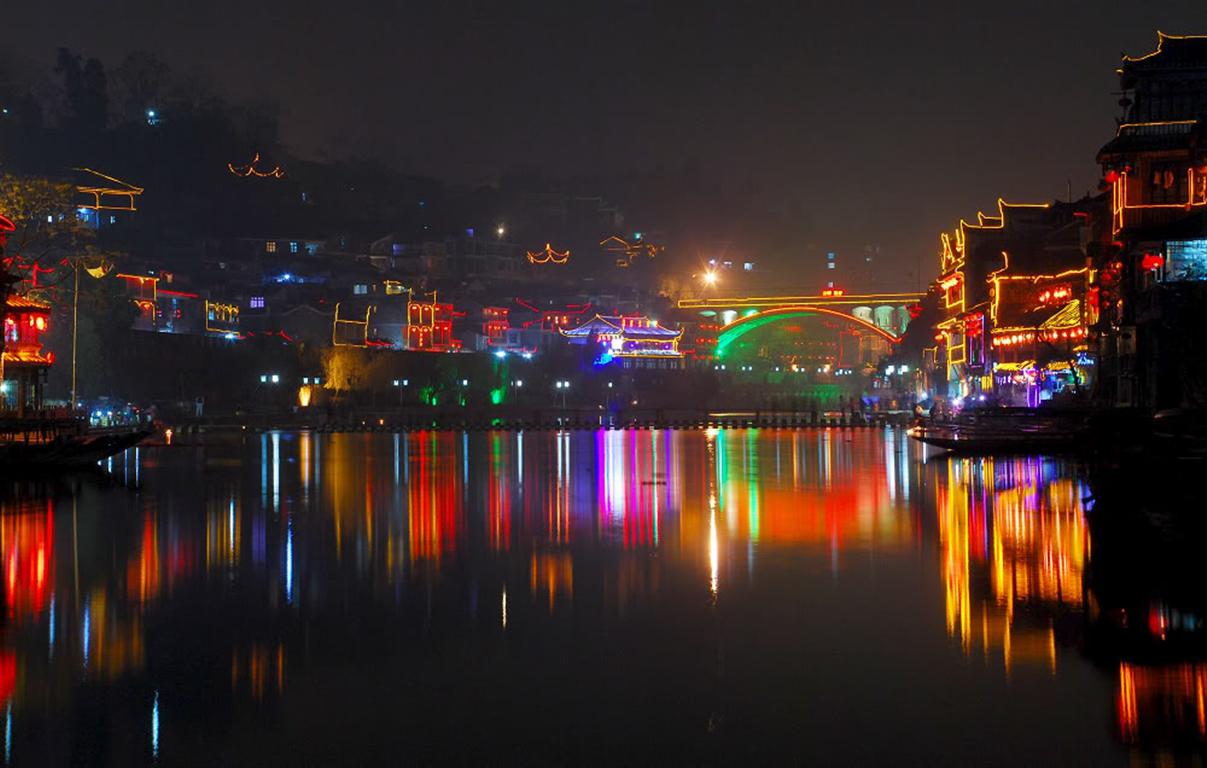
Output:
(738, 330)
(748, 323)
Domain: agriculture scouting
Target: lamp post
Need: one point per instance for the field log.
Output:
(97, 272)
(7, 281)
(75, 316)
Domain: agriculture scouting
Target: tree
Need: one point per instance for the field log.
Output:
(48, 245)
(86, 89)
(48, 232)
(142, 82)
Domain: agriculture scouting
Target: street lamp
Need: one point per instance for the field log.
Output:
(501, 231)
(709, 277)
(562, 386)
(99, 271)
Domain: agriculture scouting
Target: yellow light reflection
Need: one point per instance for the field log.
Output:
(1027, 533)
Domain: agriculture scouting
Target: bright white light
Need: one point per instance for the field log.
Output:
(519, 382)
(276, 378)
(710, 278)
(890, 370)
(500, 354)
(904, 369)
(155, 727)
(397, 382)
(465, 382)
(527, 355)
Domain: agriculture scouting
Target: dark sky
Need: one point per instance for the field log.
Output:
(879, 122)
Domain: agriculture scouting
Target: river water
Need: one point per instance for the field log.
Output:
(833, 596)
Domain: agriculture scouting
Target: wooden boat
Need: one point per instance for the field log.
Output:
(1006, 430)
(64, 443)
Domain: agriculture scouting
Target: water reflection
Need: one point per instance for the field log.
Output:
(1014, 543)
(198, 593)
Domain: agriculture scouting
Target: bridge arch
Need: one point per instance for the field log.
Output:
(744, 325)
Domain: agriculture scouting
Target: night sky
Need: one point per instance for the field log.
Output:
(869, 122)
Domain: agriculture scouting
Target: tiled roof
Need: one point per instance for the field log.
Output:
(21, 302)
(1066, 315)
(602, 324)
(1137, 137)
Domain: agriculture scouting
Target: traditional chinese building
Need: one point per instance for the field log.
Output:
(25, 364)
(103, 198)
(430, 326)
(1152, 279)
(1014, 304)
(495, 324)
(634, 342)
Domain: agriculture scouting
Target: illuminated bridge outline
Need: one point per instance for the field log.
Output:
(760, 311)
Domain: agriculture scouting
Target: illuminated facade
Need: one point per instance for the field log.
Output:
(162, 309)
(430, 326)
(1013, 288)
(1153, 276)
(25, 364)
(495, 325)
(552, 319)
(636, 342)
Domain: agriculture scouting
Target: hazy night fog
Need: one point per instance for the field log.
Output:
(836, 125)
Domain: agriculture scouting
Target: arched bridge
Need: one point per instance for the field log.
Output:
(883, 314)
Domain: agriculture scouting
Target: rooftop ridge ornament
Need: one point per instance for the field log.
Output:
(249, 170)
(103, 186)
(1161, 38)
(548, 256)
(629, 251)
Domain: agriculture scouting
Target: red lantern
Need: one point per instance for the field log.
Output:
(1151, 262)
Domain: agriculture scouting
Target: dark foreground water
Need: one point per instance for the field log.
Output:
(611, 597)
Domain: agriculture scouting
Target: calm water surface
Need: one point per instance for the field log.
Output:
(601, 597)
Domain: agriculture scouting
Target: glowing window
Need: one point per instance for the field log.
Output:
(257, 302)
(293, 247)
(270, 246)
(1186, 260)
